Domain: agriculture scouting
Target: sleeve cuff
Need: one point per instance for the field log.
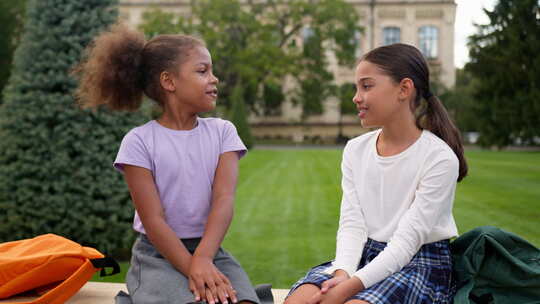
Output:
(330, 270)
(367, 279)
(119, 165)
(240, 151)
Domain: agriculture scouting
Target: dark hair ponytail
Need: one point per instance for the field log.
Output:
(439, 123)
(120, 65)
(401, 61)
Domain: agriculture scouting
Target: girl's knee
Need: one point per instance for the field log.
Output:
(302, 294)
(294, 300)
(290, 300)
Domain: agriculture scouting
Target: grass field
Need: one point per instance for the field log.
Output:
(288, 203)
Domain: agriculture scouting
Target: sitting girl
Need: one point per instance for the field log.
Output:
(398, 191)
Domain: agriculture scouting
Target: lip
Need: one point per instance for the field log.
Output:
(362, 112)
(212, 92)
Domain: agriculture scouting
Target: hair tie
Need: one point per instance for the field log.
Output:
(428, 95)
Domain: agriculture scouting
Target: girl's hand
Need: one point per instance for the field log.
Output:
(340, 293)
(226, 294)
(208, 283)
(225, 291)
(339, 276)
(223, 297)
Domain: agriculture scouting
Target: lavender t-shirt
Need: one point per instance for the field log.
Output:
(183, 164)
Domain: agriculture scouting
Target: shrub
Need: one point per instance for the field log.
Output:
(239, 116)
(56, 171)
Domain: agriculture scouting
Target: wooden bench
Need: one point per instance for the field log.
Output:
(104, 293)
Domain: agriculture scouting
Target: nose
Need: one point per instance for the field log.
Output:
(357, 99)
(214, 79)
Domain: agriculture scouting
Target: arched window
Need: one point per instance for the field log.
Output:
(391, 34)
(429, 40)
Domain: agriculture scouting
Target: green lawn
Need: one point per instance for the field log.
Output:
(288, 203)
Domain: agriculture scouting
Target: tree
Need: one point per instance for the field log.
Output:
(11, 18)
(55, 159)
(259, 43)
(460, 102)
(238, 116)
(346, 93)
(506, 65)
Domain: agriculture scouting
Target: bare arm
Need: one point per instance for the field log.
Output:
(203, 272)
(221, 213)
(146, 199)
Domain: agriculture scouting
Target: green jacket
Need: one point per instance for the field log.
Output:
(495, 266)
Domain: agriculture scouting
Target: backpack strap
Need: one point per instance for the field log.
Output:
(105, 263)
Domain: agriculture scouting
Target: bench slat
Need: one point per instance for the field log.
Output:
(104, 293)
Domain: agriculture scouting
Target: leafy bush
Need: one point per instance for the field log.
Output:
(56, 171)
(239, 116)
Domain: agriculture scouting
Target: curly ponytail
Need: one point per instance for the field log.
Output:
(111, 72)
(120, 66)
(401, 61)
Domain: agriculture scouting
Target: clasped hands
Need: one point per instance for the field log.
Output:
(208, 283)
(338, 289)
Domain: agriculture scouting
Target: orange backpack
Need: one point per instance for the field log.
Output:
(49, 262)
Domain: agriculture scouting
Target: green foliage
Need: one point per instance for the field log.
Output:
(259, 43)
(11, 19)
(346, 93)
(55, 159)
(239, 116)
(460, 102)
(505, 62)
(272, 97)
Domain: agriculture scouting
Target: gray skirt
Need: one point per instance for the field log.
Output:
(152, 279)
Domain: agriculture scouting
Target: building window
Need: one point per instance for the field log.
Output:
(391, 34)
(307, 33)
(429, 39)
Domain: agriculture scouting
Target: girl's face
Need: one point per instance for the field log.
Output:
(196, 85)
(377, 96)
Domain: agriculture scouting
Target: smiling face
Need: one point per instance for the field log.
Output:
(194, 82)
(377, 96)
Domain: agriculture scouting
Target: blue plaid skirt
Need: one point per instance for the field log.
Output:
(426, 279)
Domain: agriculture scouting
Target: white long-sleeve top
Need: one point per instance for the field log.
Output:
(404, 200)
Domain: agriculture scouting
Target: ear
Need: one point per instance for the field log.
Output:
(166, 81)
(406, 89)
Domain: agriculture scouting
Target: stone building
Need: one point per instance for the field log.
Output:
(427, 24)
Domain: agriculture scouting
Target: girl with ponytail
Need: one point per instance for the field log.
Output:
(398, 187)
(181, 169)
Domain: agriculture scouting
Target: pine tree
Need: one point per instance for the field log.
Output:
(56, 171)
(505, 62)
(239, 116)
(11, 19)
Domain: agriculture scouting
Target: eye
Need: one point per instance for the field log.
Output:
(366, 86)
(201, 71)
